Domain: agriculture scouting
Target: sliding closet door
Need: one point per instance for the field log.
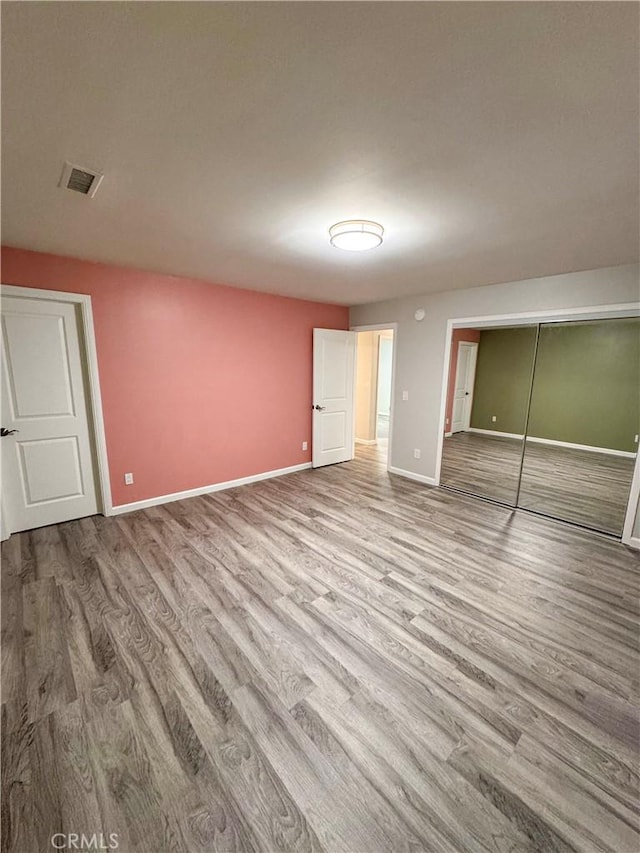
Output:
(582, 434)
(487, 410)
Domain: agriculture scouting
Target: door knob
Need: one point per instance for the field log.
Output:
(4, 431)
(319, 408)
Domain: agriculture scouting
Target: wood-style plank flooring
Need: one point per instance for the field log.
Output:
(483, 465)
(577, 485)
(337, 660)
(580, 486)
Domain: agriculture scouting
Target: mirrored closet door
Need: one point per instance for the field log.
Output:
(582, 433)
(546, 418)
(489, 386)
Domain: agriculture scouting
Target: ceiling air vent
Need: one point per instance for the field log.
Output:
(80, 180)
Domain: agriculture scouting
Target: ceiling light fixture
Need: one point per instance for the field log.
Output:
(356, 235)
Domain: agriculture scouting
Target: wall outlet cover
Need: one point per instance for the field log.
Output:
(128, 479)
(305, 445)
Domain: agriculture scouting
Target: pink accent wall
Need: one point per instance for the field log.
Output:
(200, 383)
(471, 336)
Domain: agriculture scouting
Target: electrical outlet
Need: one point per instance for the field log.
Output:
(447, 421)
(636, 439)
(493, 419)
(405, 395)
(305, 445)
(128, 479)
(416, 454)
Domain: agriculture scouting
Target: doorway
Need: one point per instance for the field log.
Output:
(374, 393)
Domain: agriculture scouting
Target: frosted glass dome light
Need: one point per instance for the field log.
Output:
(356, 235)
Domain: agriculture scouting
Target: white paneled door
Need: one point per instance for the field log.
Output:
(47, 463)
(333, 396)
(463, 392)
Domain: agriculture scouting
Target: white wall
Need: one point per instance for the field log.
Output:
(420, 346)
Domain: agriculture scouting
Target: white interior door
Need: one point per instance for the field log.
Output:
(47, 464)
(463, 391)
(333, 396)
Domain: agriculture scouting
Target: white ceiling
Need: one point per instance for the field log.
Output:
(494, 141)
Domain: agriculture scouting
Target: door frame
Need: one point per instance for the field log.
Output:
(381, 327)
(559, 315)
(86, 334)
(467, 420)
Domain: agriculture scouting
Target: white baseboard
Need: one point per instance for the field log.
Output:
(632, 542)
(203, 490)
(410, 475)
(568, 444)
(448, 434)
(365, 441)
(495, 433)
(627, 453)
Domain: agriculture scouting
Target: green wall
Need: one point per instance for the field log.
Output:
(587, 384)
(586, 388)
(503, 374)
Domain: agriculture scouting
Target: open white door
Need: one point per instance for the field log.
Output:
(333, 396)
(463, 392)
(47, 463)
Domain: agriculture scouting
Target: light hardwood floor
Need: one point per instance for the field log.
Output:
(579, 486)
(337, 660)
